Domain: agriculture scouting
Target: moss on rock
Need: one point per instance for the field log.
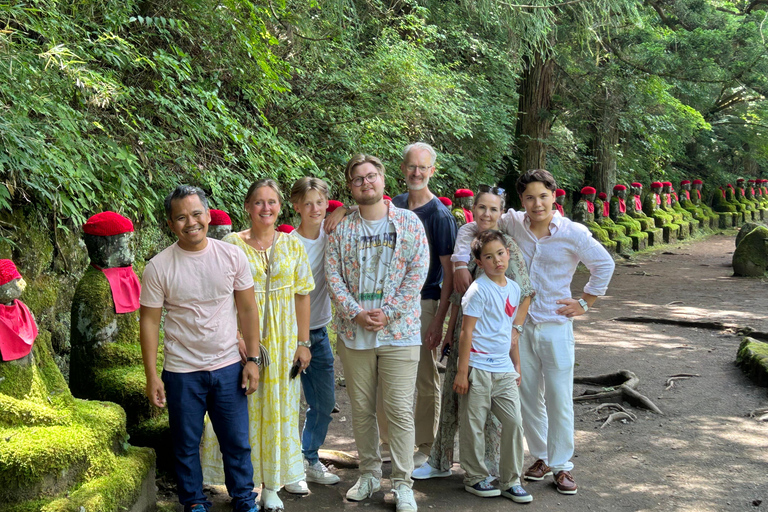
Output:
(745, 230)
(750, 259)
(752, 357)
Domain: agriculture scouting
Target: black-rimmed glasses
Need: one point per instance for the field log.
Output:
(370, 178)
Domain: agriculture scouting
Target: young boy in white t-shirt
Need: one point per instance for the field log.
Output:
(488, 372)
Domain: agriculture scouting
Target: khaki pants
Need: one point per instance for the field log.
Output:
(497, 393)
(393, 370)
(427, 416)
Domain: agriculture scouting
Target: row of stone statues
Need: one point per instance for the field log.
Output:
(627, 223)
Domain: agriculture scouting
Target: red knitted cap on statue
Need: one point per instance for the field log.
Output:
(750, 181)
(333, 204)
(8, 272)
(220, 218)
(698, 182)
(285, 228)
(559, 192)
(464, 192)
(730, 186)
(636, 184)
(445, 201)
(656, 184)
(666, 183)
(386, 197)
(739, 180)
(603, 196)
(588, 190)
(619, 187)
(685, 182)
(107, 224)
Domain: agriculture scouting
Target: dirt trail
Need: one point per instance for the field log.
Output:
(703, 454)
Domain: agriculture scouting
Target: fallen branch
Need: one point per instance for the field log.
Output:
(622, 384)
(610, 406)
(680, 376)
(759, 414)
(338, 458)
(616, 416)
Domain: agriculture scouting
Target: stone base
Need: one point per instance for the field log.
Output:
(655, 236)
(685, 230)
(639, 241)
(752, 357)
(671, 232)
(623, 245)
(726, 220)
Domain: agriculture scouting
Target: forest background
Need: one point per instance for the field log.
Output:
(108, 104)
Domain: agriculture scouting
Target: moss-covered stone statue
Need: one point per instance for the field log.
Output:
(750, 259)
(635, 210)
(58, 453)
(762, 192)
(106, 361)
(741, 209)
(584, 213)
(694, 223)
(729, 214)
(652, 208)
(618, 212)
(462, 206)
(446, 202)
(677, 216)
(741, 197)
(18, 329)
(761, 210)
(560, 201)
(706, 220)
(221, 224)
(617, 232)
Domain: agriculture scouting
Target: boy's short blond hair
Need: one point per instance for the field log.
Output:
(304, 185)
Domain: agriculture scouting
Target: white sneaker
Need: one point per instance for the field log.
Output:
(270, 500)
(404, 500)
(364, 488)
(299, 487)
(426, 471)
(319, 474)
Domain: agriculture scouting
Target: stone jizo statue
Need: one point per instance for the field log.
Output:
(220, 225)
(18, 329)
(463, 200)
(560, 201)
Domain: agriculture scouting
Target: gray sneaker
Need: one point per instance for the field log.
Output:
(319, 474)
(404, 500)
(364, 488)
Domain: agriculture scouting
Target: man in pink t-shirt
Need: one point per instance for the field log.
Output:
(205, 286)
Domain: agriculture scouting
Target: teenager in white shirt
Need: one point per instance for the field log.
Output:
(487, 377)
(552, 246)
(310, 199)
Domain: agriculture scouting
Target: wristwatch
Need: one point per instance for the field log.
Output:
(256, 360)
(307, 344)
(584, 305)
(518, 328)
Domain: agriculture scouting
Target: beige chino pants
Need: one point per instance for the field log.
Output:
(497, 393)
(390, 371)
(427, 415)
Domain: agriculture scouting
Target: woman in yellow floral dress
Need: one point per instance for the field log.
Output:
(274, 408)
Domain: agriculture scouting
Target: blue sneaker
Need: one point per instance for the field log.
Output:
(484, 489)
(198, 507)
(255, 508)
(517, 494)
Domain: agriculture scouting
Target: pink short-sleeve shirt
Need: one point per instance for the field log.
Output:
(197, 291)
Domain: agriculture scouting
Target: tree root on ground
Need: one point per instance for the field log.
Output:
(759, 414)
(624, 382)
(680, 376)
(616, 416)
(338, 458)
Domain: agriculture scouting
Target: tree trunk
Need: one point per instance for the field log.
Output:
(603, 145)
(534, 119)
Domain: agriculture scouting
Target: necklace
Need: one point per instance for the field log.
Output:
(261, 248)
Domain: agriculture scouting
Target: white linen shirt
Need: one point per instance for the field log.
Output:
(551, 260)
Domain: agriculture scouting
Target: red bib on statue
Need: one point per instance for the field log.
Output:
(125, 287)
(18, 331)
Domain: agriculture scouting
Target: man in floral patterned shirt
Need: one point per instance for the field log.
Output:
(376, 265)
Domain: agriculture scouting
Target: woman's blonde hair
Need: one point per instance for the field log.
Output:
(264, 182)
(304, 185)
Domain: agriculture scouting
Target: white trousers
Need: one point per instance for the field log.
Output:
(546, 392)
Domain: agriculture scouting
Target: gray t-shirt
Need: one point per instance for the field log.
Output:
(319, 300)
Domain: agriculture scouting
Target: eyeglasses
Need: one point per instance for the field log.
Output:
(370, 178)
(487, 189)
(421, 168)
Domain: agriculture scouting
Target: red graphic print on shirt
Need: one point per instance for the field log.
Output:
(509, 309)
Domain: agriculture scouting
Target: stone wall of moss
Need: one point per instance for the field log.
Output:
(752, 357)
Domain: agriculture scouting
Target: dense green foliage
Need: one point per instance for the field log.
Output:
(107, 104)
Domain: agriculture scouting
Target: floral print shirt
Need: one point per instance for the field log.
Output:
(401, 302)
